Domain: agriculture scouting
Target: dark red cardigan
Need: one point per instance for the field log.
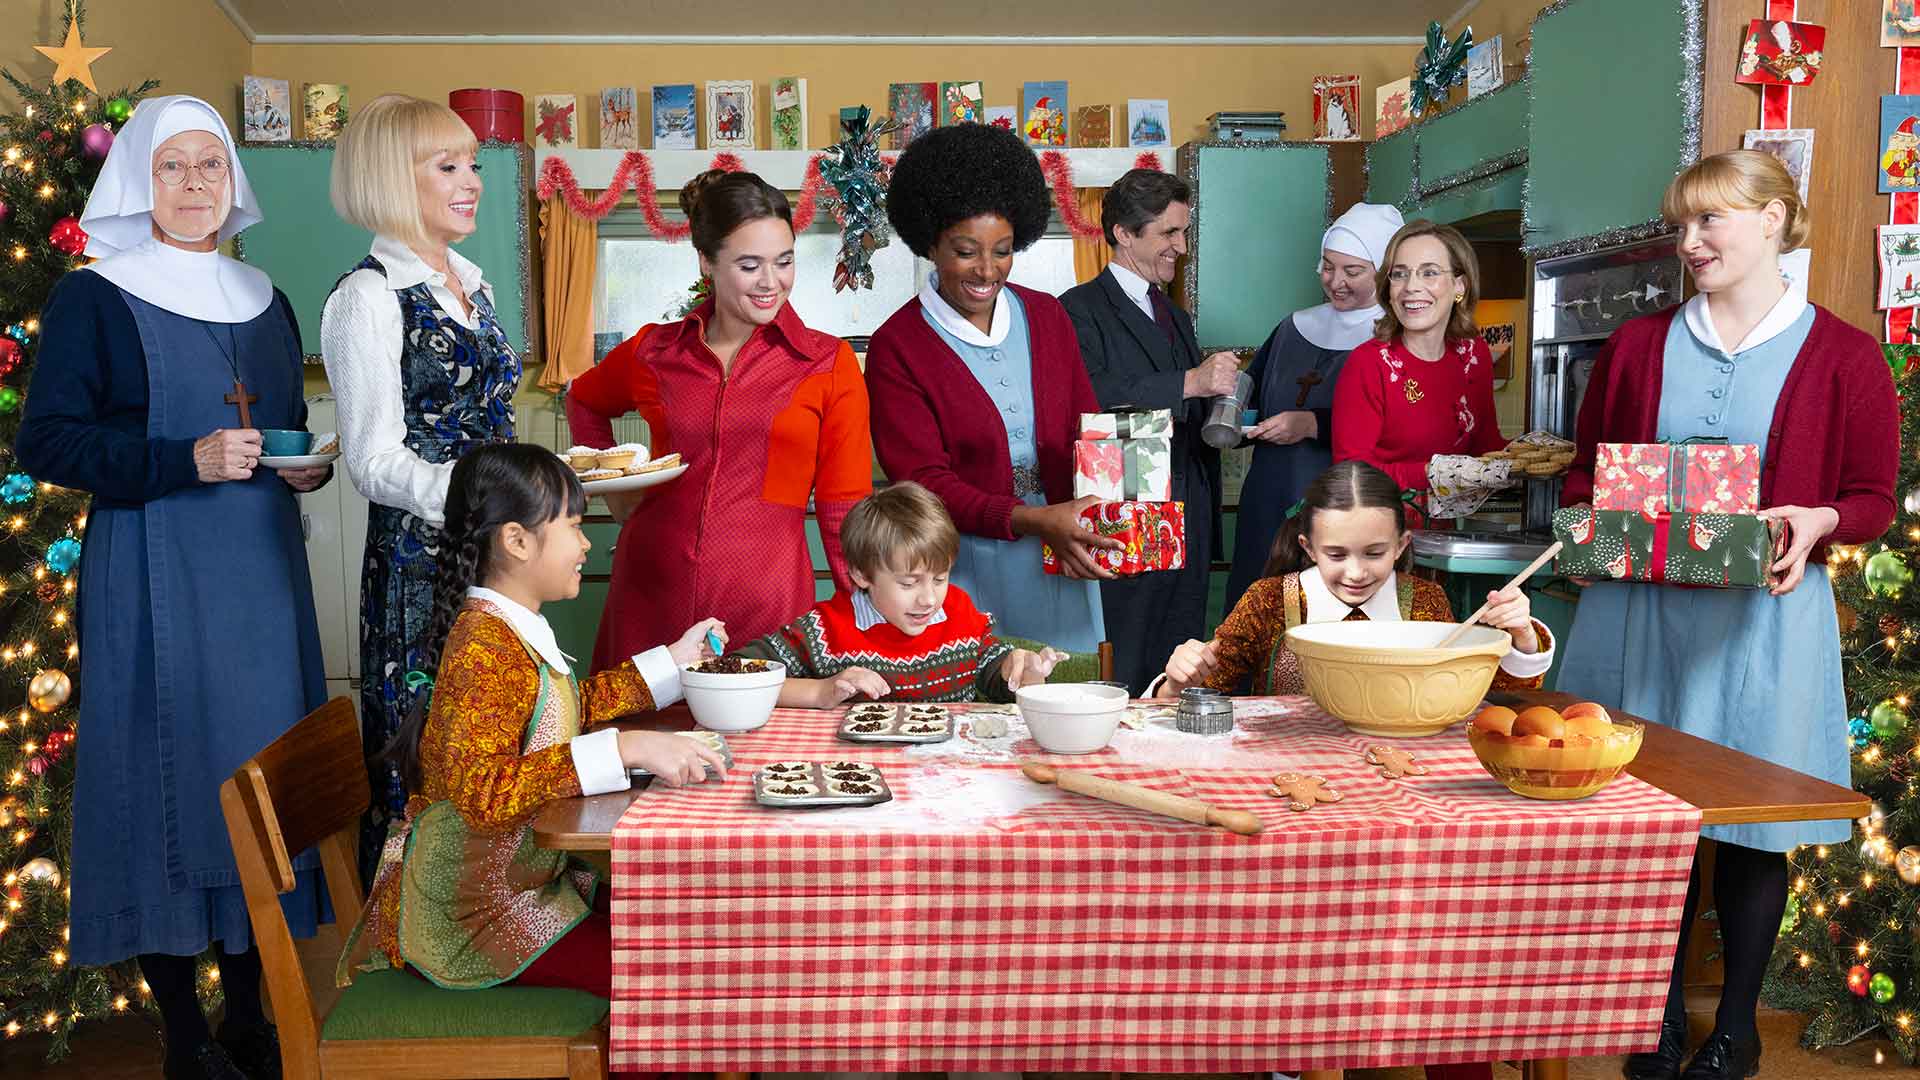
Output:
(1835, 439)
(933, 423)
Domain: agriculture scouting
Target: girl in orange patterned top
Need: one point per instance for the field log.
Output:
(463, 894)
(1342, 554)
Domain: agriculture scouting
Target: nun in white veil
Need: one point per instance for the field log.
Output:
(1293, 376)
(198, 642)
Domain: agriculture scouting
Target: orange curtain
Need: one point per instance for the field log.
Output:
(567, 243)
(1090, 254)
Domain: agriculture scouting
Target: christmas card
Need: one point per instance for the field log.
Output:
(1794, 148)
(1093, 125)
(1147, 123)
(912, 105)
(1899, 142)
(1390, 104)
(619, 128)
(1780, 53)
(1043, 113)
(267, 105)
(1899, 249)
(676, 126)
(1486, 67)
(1003, 116)
(1336, 108)
(323, 109)
(730, 120)
(556, 120)
(789, 97)
(960, 103)
(1899, 22)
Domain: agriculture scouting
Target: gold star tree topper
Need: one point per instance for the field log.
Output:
(73, 60)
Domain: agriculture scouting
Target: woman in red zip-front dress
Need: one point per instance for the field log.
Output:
(765, 413)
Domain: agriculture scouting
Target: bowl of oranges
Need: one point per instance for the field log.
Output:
(1546, 753)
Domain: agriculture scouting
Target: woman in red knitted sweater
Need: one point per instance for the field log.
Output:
(764, 411)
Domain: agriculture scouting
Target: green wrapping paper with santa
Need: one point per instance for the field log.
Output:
(1716, 551)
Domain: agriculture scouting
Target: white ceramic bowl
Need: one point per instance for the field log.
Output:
(1392, 678)
(733, 702)
(1071, 718)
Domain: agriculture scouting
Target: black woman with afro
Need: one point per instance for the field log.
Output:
(977, 386)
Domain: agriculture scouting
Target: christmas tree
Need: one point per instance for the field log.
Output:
(50, 154)
(1850, 940)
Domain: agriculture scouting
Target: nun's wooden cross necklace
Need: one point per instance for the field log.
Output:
(239, 397)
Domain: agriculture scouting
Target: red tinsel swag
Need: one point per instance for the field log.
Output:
(635, 171)
(1059, 173)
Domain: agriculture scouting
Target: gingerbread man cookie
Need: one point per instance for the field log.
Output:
(1394, 762)
(1302, 792)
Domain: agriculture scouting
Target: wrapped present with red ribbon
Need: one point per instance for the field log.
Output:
(1695, 477)
(1716, 551)
(1154, 535)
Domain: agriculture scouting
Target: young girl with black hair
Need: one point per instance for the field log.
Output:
(1342, 555)
(463, 894)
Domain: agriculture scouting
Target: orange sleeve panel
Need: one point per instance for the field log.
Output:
(621, 383)
(820, 445)
(483, 696)
(612, 694)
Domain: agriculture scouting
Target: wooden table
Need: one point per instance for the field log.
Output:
(1728, 786)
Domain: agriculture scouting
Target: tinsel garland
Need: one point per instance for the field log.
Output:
(635, 171)
(1059, 173)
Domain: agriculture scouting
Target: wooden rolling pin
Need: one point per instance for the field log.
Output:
(1244, 822)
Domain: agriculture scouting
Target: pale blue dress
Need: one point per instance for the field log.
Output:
(1004, 577)
(1740, 667)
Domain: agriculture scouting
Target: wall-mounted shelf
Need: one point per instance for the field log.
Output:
(785, 169)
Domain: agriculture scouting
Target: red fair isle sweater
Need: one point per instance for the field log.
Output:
(955, 660)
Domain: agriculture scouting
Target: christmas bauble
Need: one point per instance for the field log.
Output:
(63, 554)
(1907, 861)
(1911, 500)
(1886, 574)
(1857, 979)
(4, 209)
(95, 141)
(49, 689)
(1888, 719)
(1881, 987)
(18, 332)
(1859, 732)
(118, 110)
(10, 356)
(16, 489)
(9, 399)
(41, 871)
(68, 236)
(1790, 918)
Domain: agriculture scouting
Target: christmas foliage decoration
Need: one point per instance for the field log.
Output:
(50, 153)
(858, 176)
(1849, 959)
(1438, 68)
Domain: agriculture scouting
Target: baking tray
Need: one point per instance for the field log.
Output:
(826, 783)
(876, 722)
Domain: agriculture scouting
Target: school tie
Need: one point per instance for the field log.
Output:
(1356, 615)
(1162, 312)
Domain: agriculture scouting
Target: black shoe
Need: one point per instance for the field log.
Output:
(255, 1048)
(209, 1062)
(1663, 1061)
(1722, 1058)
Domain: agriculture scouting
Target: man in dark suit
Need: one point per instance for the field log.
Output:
(1140, 352)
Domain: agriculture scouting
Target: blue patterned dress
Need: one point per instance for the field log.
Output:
(1740, 667)
(458, 385)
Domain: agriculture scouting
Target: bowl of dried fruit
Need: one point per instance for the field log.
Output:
(729, 693)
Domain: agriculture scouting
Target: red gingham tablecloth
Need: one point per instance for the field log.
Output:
(980, 921)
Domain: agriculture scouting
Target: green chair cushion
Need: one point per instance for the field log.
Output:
(1076, 668)
(400, 1005)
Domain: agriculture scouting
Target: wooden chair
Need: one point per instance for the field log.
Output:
(309, 788)
(1077, 667)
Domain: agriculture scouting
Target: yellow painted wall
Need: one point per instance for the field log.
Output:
(1196, 80)
(189, 45)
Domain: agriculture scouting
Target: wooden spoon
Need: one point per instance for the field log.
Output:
(1517, 579)
(1244, 822)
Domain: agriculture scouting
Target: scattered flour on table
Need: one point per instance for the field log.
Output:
(935, 800)
(1160, 743)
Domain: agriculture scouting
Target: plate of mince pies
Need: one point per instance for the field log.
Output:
(802, 784)
(906, 722)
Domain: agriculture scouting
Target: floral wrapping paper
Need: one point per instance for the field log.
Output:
(1122, 469)
(1699, 478)
(1126, 425)
(1155, 535)
(1719, 551)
